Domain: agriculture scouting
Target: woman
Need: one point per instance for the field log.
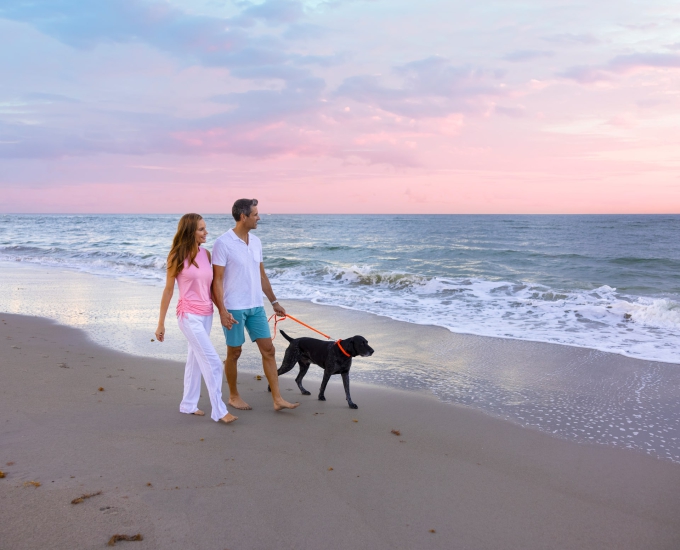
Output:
(190, 265)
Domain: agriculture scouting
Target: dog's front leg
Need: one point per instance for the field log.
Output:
(322, 390)
(345, 382)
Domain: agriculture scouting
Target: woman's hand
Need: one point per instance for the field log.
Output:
(227, 319)
(160, 333)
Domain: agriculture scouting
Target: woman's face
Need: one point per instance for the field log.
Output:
(201, 232)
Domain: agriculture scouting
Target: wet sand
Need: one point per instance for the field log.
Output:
(476, 481)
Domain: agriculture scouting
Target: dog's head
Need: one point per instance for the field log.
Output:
(358, 346)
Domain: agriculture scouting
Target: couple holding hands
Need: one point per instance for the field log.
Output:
(234, 280)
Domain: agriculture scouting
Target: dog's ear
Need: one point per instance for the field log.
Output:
(357, 343)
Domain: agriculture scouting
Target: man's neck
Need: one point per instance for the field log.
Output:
(242, 232)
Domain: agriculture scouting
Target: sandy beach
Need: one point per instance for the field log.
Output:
(322, 476)
(575, 393)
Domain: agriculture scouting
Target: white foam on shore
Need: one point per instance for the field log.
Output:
(602, 319)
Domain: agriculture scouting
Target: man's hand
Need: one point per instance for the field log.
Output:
(279, 310)
(227, 319)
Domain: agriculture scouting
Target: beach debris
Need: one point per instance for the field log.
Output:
(83, 497)
(16, 347)
(2, 474)
(330, 468)
(432, 531)
(395, 432)
(354, 420)
(627, 316)
(258, 377)
(202, 439)
(63, 366)
(100, 389)
(32, 484)
(149, 484)
(116, 538)
(153, 340)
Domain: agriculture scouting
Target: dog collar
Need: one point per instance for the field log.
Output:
(341, 349)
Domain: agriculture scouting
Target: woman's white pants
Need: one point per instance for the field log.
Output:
(201, 360)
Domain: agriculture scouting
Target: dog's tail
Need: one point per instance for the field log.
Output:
(285, 336)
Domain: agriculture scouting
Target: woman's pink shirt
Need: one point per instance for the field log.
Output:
(194, 286)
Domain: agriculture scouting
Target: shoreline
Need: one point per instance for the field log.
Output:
(154, 283)
(573, 393)
(266, 481)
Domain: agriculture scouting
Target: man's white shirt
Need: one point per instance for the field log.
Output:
(242, 283)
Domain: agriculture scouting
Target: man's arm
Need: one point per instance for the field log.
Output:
(226, 318)
(269, 293)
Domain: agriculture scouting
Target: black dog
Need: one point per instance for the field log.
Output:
(332, 357)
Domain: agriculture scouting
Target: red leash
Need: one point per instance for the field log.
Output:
(277, 320)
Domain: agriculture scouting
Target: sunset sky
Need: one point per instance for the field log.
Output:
(429, 106)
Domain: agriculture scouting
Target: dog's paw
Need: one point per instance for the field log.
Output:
(322, 398)
(305, 392)
(353, 406)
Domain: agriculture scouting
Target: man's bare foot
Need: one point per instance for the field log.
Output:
(199, 412)
(282, 404)
(228, 418)
(238, 403)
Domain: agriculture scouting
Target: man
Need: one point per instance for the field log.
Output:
(239, 280)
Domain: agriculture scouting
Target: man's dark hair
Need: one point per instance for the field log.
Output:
(242, 206)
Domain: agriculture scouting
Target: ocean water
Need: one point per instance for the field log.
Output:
(609, 283)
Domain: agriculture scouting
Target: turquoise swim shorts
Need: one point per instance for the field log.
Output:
(254, 320)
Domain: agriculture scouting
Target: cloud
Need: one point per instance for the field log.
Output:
(48, 98)
(622, 64)
(267, 106)
(527, 55)
(273, 12)
(210, 41)
(569, 38)
(431, 87)
(252, 125)
(512, 112)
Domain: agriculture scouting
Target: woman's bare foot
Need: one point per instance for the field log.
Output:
(282, 404)
(228, 418)
(238, 403)
(198, 412)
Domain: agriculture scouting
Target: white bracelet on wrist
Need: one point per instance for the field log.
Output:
(275, 302)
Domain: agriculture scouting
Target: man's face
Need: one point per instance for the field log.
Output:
(251, 221)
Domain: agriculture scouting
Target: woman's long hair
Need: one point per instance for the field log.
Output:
(184, 243)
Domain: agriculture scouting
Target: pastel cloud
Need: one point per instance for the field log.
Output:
(526, 55)
(455, 98)
(622, 64)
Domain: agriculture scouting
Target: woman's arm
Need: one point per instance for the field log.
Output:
(165, 304)
(226, 318)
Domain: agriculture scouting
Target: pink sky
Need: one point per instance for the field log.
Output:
(341, 106)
